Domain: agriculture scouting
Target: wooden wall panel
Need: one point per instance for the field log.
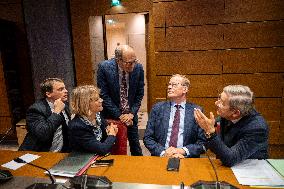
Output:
(273, 132)
(252, 60)
(261, 34)
(281, 130)
(159, 85)
(200, 87)
(208, 104)
(276, 151)
(263, 85)
(6, 123)
(253, 10)
(189, 38)
(192, 62)
(159, 12)
(194, 12)
(270, 108)
(200, 12)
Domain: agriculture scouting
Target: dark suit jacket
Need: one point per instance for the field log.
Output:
(158, 124)
(41, 126)
(108, 82)
(82, 138)
(247, 139)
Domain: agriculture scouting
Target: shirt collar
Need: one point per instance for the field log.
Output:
(182, 105)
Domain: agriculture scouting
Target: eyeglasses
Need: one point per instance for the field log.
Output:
(130, 62)
(174, 85)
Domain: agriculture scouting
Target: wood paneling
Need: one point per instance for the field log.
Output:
(276, 151)
(224, 36)
(193, 62)
(263, 85)
(6, 123)
(189, 38)
(253, 10)
(247, 35)
(159, 14)
(194, 12)
(273, 132)
(252, 60)
(200, 12)
(208, 104)
(270, 108)
(200, 87)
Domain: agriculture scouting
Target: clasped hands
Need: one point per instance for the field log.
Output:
(174, 152)
(112, 129)
(127, 119)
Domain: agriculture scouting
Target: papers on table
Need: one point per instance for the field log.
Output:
(278, 165)
(14, 165)
(257, 173)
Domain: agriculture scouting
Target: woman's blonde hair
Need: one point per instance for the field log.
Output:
(81, 97)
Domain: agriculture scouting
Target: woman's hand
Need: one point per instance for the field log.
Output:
(112, 129)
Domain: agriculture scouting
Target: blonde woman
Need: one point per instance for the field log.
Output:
(88, 131)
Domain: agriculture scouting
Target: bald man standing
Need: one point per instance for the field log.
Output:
(121, 81)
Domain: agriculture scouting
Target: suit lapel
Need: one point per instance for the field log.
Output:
(188, 114)
(166, 114)
(132, 82)
(115, 79)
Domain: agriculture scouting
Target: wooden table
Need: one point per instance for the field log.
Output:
(133, 169)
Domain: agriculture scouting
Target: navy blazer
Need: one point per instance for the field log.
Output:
(41, 126)
(108, 82)
(247, 139)
(83, 138)
(157, 129)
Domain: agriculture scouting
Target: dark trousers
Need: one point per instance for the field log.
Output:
(133, 138)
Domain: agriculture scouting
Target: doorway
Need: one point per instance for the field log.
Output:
(106, 32)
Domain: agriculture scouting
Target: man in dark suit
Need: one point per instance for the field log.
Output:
(121, 81)
(171, 129)
(241, 133)
(47, 119)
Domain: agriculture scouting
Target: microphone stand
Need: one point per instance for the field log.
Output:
(19, 160)
(212, 184)
(53, 185)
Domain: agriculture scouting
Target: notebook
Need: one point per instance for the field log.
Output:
(75, 164)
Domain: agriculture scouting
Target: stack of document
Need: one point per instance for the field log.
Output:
(254, 172)
(74, 164)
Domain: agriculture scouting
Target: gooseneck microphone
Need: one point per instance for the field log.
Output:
(19, 160)
(217, 186)
(212, 184)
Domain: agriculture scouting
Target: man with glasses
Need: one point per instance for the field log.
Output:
(171, 129)
(243, 132)
(121, 81)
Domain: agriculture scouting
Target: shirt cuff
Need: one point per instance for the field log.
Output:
(162, 153)
(187, 154)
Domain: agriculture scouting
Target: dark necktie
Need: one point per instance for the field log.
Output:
(175, 128)
(123, 95)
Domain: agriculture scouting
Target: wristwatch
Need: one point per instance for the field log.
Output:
(210, 135)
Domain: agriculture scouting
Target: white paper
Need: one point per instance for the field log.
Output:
(257, 173)
(14, 165)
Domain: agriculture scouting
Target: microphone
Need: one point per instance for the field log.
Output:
(19, 160)
(212, 184)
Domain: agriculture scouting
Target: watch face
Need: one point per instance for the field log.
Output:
(207, 135)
